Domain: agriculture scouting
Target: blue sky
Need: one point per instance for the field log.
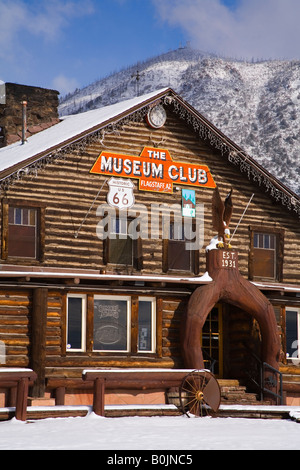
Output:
(64, 44)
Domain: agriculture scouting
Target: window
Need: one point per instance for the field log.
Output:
(76, 316)
(111, 321)
(292, 333)
(22, 232)
(264, 245)
(120, 244)
(120, 324)
(146, 321)
(266, 255)
(120, 248)
(211, 341)
(176, 256)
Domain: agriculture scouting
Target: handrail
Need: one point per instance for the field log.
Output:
(279, 395)
(263, 367)
(212, 361)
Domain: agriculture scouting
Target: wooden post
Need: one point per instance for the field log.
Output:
(99, 392)
(60, 393)
(12, 396)
(38, 339)
(21, 402)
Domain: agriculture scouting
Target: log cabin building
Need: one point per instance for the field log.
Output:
(108, 255)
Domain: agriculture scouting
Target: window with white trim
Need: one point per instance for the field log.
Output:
(147, 324)
(120, 324)
(292, 325)
(76, 321)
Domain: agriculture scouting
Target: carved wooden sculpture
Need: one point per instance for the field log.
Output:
(230, 287)
(221, 216)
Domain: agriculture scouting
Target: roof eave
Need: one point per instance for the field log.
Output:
(118, 117)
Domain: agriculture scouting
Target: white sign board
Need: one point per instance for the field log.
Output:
(120, 193)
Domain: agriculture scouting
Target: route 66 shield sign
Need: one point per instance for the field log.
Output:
(120, 193)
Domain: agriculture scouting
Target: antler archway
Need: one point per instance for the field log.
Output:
(230, 287)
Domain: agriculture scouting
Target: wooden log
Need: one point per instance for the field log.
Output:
(130, 379)
(69, 383)
(291, 387)
(99, 393)
(38, 339)
(60, 396)
(22, 395)
(139, 376)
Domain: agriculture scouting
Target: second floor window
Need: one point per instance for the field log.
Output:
(23, 232)
(120, 244)
(176, 253)
(264, 248)
(120, 248)
(266, 255)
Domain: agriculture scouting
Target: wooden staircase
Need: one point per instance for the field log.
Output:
(233, 393)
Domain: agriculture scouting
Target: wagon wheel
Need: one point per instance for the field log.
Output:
(199, 392)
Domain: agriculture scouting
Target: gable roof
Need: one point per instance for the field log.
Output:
(78, 129)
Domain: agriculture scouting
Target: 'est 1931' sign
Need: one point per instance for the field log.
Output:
(155, 170)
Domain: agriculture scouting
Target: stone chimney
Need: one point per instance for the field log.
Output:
(41, 112)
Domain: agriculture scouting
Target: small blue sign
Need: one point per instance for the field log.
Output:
(188, 203)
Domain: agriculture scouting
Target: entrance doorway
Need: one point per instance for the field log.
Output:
(212, 341)
(230, 338)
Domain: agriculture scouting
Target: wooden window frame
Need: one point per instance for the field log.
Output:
(152, 301)
(83, 321)
(40, 233)
(132, 326)
(194, 255)
(279, 252)
(124, 298)
(137, 252)
(294, 359)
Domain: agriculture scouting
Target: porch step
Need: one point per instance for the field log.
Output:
(233, 393)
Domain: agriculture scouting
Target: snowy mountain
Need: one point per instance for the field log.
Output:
(256, 104)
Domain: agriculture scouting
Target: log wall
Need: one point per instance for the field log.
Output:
(68, 190)
(15, 314)
(168, 351)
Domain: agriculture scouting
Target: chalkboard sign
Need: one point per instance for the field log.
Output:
(110, 324)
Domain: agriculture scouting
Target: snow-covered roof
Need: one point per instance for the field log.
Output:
(73, 128)
(67, 129)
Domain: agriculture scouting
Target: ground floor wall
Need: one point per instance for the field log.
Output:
(33, 333)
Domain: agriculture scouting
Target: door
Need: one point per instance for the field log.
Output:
(212, 341)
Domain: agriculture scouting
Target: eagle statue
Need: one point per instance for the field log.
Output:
(221, 216)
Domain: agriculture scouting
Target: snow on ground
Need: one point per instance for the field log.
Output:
(155, 433)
